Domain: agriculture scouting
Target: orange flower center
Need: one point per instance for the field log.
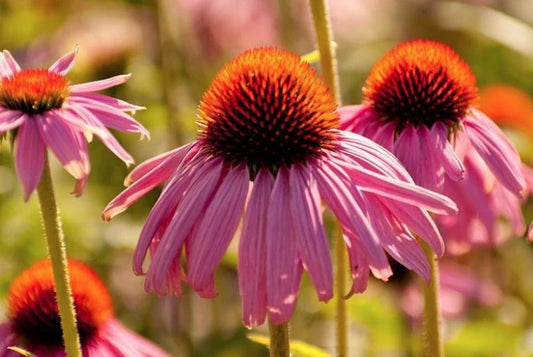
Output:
(33, 311)
(267, 108)
(33, 91)
(420, 83)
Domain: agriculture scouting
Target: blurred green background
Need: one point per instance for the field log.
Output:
(174, 48)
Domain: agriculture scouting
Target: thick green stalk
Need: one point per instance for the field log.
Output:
(58, 256)
(433, 346)
(328, 65)
(340, 290)
(324, 39)
(279, 340)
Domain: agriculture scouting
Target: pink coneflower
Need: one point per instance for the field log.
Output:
(33, 319)
(269, 150)
(42, 109)
(419, 104)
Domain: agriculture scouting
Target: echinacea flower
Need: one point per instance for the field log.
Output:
(269, 150)
(43, 110)
(419, 104)
(33, 318)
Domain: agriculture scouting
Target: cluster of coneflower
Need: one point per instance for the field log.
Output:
(412, 172)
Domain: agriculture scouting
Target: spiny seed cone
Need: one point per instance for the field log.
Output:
(267, 108)
(420, 83)
(33, 91)
(33, 311)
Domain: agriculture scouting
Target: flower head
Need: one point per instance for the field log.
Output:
(269, 150)
(42, 109)
(33, 317)
(419, 104)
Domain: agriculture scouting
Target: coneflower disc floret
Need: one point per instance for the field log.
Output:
(267, 108)
(419, 83)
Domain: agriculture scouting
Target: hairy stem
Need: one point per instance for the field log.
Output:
(56, 250)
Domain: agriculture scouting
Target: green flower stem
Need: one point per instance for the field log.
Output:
(58, 256)
(340, 290)
(279, 340)
(328, 65)
(432, 346)
(324, 38)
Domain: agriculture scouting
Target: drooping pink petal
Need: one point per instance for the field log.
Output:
(97, 100)
(284, 268)
(337, 192)
(10, 119)
(175, 156)
(29, 156)
(419, 221)
(252, 252)
(359, 268)
(187, 215)
(430, 163)
(63, 65)
(372, 156)
(399, 190)
(311, 238)
(407, 148)
(496, 150)
(99, 85)
(443, 149)
(216, 228)
(143, 185)
(105, 136)
(8, 65)
(118, 120)
(114, 339)
(161, 213)
(68, 145)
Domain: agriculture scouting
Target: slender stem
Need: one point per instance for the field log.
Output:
(324, 38)
(433, 346)
(58, 256)
(279, 340)
(340, 290)
(328, 65)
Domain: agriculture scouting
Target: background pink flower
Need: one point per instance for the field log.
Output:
(43, 110)
(33, 320)
(419, 103)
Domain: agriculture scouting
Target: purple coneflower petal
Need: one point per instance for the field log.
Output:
(399, 190)
(160, 215)
(147, 182)
(29, 156)
(419, 221)
(309, 231)
(10, 119)
(68, 145)
(406, 148)
(105, 136)
(496, 150)
(338, 194)
(284, 268)
(187, 215)
(171, 158)
(8, 65)
(218, 225)
(448, 158)
(359, 268)
(96, 100)
(64, 64)
(252, 248)
(99, 85)
(118, 120)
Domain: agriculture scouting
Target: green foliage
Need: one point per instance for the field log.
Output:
(298, 348)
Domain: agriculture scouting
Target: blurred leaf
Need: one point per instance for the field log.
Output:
(484, 338)
(298, 348)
